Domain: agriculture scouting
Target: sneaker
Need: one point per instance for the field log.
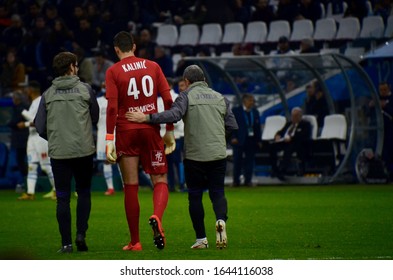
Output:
(221, 234)
(65, 249)
(26, 196)
(110, 192)
(136, 247)
(158, 232)
(81, 243)
(200, 244)
(51, 195)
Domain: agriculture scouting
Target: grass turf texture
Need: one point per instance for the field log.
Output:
(291, 222)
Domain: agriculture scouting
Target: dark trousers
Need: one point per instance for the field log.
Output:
(175, 165)
(200, 176)
(387, 151)
(288, 148)
(20, 156)
(244, 160)
(81, 169)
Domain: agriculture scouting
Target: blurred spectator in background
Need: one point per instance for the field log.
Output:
(164, 60)
(93, 15)
(246, 140)
(315, 103)
(37, 147)
(77, 14)
(194, 14)
(386, 99)
(12, 74)
(283, 49)
(60, 38)
(283, 46)
(18, 139)
(51, 13)
(149, 12)
(247, 49)
(108, 29)
(291, 138)
(12, 36)
(263, 12)
(36, 51)
(101, 143)
(179, 11)
(204, 51)
(100, 65)
(123, 11)
(236, 49)
(86, 36)
(291, 81)
(356, 8)
(307, 46)
(66, 11)
(33, 11)
(182, 64)
(308, 106)
(309, 9)
(287, 10)
(320, 107)
(218, 11)
(5, 19)
(242, 11)
(383, 8)
(85, 66)
(386, 103)
(115, 16)
(146, 45)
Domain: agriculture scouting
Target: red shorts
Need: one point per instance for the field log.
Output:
(145, 143)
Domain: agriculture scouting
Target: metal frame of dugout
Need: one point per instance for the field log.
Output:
(278, 84)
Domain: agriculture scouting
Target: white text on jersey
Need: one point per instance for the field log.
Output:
(134, 66)
(145, 108)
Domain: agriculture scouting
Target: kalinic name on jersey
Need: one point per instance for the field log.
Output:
(134, 66)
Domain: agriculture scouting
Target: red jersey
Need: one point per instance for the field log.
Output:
(134, 83)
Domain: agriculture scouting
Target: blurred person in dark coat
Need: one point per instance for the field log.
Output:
(291, 138)
(246, 140)
(19, 137)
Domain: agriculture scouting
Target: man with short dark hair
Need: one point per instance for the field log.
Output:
(208, 122)
(133, 84)
(67, 112)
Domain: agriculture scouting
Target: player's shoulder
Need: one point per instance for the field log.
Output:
(150, 62)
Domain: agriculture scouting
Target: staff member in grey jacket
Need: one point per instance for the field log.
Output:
(65, 117)
(208, 120)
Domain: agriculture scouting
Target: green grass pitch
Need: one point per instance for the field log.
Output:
(345, 222)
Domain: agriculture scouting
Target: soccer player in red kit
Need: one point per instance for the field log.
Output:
(134, 84)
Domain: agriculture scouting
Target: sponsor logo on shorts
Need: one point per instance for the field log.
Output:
(157, 158)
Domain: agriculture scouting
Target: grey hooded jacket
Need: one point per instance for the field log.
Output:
(66, 115)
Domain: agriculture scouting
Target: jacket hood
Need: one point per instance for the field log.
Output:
(65, 82)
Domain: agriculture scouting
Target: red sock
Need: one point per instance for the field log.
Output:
(131, 205)
(160, 199)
